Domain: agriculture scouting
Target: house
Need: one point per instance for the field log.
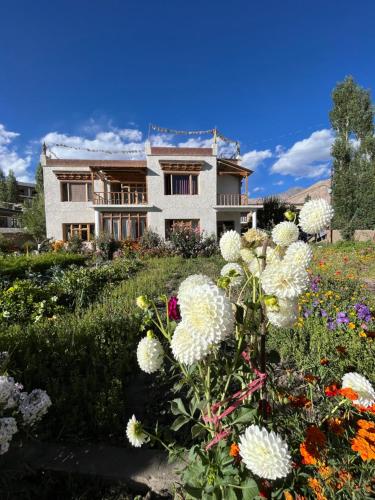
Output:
(123, 197)
(320, 189)
(10, 213)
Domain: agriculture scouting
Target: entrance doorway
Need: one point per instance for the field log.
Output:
(223, 226)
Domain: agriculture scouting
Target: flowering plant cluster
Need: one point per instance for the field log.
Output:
(344, 311)
(211, 339)
(19, 409)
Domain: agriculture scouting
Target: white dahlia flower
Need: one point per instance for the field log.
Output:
(265, 453)
(207, 313)
(360, 385)
(185, 348)
(287, 314)
(135, 432)
(255, 267)
(274, 255)
(190, 283)
(284, 280)
(255, 236)
(234, 271)
(230, 245)
(150, 355)
(315, 215)
(8, 427)
(247, 255)
(285, 233)
(34, 406)
(299, 254)
(7, 390)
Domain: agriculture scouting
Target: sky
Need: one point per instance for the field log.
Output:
(95, 73)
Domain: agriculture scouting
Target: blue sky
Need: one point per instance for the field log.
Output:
(95, 73)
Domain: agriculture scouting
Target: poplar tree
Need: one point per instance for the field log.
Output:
(11, 187)
(353, 151)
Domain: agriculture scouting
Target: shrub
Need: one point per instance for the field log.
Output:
(150, 240)
(17, 266)
(105, 246)
(74, 244)
(26, 301)
(189, 242)
(272, 212)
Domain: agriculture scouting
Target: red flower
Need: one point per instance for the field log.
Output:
(331, 390)
(173, 309)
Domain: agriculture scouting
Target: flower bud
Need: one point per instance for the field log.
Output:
(142, 302)
(271, 303)
(289, 215)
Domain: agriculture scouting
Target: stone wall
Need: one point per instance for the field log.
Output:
(359, 235)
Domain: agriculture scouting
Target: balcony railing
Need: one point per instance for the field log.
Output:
(232, 199)
(123, 198)
(10, 222)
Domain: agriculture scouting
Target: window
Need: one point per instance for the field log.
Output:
(76, 191)
(124, 225)
(84, 231)
(193, 223)
(181, 183)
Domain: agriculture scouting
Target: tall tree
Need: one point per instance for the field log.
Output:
(11, 187)
(33, 216)
(353, 179)
(3, 187)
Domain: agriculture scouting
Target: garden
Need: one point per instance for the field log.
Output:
(251, 364)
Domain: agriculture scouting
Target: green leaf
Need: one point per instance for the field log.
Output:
(179, 422)
(178, 408)
(196, 431)
(230, 494)
(193, 491)
(250, 490)
(245, 415)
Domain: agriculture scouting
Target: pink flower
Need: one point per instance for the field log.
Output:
(173, 309)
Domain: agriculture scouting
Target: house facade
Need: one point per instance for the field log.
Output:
(123, 197)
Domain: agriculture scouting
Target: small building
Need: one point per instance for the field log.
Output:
(123, 197)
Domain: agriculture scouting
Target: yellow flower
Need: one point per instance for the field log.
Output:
(362, 334)
(351, 325)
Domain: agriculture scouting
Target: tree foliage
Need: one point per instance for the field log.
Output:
(33, 216)
(272, 212)
(353, 178)
(8, 187)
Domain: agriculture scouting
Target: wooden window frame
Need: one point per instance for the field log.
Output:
(85, 226)
(68, 183)
(121, 216)
(190, 175)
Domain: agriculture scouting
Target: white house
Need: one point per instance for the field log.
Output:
(123, 197)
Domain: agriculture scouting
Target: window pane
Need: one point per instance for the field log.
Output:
(142, 226)
(89, 191)
(116, 229)
(167, 183)
(64, 192)
(125, 233)
(77, 192)
(194, 184)
(180, 184)
(107, 226)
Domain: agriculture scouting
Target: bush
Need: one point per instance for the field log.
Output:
(26, 301)
(13, 267)
(105, 246)
(188, 242)
(272, 212)
(150, 240)
(74, 244)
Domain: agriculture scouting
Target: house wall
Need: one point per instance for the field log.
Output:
(198, 206)
(62, 212)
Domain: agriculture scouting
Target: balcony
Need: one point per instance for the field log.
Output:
(232, 200)
(10, 224)
(120, 198)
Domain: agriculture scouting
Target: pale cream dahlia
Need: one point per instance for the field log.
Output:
(234, 271)
(255, 237)
(255, 267)
(150, 355)
(285, 233)
(247, 255)
(265, 453)
(360, 385)
(299, 254)
(185, 348)
(135, 433)
(284, 280)
(207, 313)
(190, 283)
(230, 245)
(287, 314)
(315, 215)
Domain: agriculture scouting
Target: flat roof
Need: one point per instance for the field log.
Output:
(169, 151)
(51, 162)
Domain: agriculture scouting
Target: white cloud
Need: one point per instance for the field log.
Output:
(307, 158)
(9, 157)
(254, 158)
(257, 189)
(278, 183)
(116, 140)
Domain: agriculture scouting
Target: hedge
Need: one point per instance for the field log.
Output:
(13, 267)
